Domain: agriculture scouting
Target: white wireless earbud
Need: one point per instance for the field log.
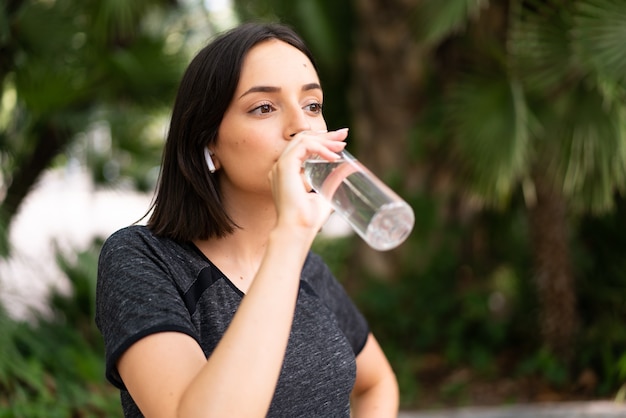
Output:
(209, 160)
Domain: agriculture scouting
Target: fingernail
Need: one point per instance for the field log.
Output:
(338, 157)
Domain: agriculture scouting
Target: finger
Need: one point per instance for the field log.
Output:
(330, 142)
(306, 147)
(320, 135)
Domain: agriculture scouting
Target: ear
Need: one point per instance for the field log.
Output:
(209, 160)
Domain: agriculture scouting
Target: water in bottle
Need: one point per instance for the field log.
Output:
(371, 208)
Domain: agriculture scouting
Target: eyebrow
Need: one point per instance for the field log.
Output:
(272, 89)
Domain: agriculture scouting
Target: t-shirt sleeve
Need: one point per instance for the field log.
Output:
(351, 321)
(135, 295)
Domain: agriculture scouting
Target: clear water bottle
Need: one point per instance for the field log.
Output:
(374, 211)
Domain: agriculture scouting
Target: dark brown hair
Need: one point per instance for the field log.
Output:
(188, 203)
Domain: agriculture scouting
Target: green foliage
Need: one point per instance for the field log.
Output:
(621, 367)
(539, 47)
(599, 36)
(495, 149)
(601, 298)
(71, 66)
(545, 364)
(550, 96)
(54, 366)
(436, 20)
(593, 148)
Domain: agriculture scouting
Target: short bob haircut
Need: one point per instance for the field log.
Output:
(188, 203)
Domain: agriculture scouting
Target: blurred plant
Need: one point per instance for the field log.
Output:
(54, 366)
(85, 80)
(621, 370)
(600, 250)
(539, 108)
(545, 364)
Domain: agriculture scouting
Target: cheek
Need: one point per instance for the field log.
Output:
(250, 145)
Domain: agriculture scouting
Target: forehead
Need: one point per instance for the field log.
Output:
(275, 62)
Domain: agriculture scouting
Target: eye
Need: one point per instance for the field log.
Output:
(315, 108)
(262, 109)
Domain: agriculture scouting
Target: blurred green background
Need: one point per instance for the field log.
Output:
(502, 123)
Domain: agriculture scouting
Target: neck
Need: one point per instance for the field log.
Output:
(244, 248)
(255, 215)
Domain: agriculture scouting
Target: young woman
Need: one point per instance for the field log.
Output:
(217, 308)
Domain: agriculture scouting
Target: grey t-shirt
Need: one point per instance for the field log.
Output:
(147, 284)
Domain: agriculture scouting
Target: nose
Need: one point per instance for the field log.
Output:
(296, 122)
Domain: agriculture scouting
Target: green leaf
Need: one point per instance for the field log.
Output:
(539, 45)
(46, 29)
(116, 21)
(45, 87)
(599, 35)
(436, 19)
(489, 119)
(592, 139)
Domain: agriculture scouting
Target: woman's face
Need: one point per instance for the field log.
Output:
(278, 95)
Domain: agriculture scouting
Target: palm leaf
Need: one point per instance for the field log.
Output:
(51, 19)
(45, 87)
(540, 47)
(436, 19)
(137, 69)
(592, 140)
(489, 119)
(116, 21)
(599, 35)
